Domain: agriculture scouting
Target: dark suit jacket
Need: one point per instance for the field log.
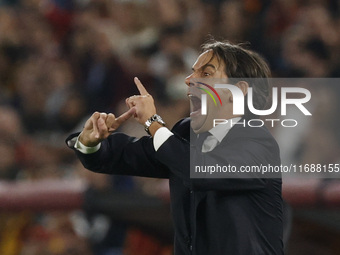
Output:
(211, 216)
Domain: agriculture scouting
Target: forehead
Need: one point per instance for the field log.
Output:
(208, 57)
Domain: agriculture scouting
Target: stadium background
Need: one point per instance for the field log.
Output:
(60, 60)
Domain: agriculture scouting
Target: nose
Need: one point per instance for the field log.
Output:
(187, 79)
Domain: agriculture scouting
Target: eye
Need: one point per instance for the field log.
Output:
(206, 74)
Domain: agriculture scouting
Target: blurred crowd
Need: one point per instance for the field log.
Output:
(61, 60)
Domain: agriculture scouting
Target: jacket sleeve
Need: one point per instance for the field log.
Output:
(124, 155)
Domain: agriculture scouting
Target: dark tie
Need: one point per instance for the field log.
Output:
(201, 138)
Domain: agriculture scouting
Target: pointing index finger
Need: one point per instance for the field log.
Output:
(140, 87)
(125, 116)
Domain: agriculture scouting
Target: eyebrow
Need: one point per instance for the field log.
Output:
(205, 66)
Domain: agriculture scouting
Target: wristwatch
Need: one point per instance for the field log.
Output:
(151, 120)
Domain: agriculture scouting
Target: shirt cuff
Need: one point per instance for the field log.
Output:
(161, 135)
(85, 149)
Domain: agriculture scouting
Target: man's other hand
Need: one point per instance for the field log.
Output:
(143, 103)
(100, 125)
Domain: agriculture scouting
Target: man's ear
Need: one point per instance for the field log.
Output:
(242, 85)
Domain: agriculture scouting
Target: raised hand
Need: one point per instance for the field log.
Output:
(100, 125)
(143, 104)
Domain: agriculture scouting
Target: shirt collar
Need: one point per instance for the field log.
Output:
(221, 130)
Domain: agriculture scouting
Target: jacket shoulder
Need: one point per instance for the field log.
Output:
(181, 124)
(182, 128)
(246, 131)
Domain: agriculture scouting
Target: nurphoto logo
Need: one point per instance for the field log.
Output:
(239, 103)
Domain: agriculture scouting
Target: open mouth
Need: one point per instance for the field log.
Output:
(196, 104)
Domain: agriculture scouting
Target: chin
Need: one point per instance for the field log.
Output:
(197, 123)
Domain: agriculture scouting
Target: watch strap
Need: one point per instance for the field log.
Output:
(152, 119)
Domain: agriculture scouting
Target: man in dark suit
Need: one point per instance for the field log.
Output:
(212, 216)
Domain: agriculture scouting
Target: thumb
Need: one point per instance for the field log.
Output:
(102, 128)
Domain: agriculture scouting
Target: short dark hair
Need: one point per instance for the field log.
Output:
(241, 65)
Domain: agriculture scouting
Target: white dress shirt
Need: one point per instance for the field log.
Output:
(217, 134)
